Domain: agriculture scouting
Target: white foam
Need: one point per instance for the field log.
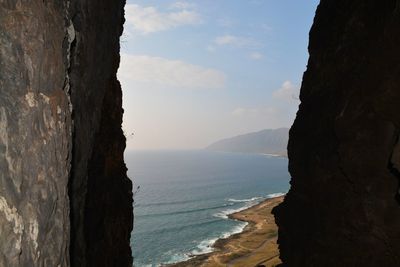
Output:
(178, 258)
(244, 200)
(271, 155)
(275, 195)
(249, 202)
(206, 246)
(235, 230)
(225, 213)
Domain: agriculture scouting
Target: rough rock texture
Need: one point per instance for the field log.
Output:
(65, 199)
(35, 135)
(101, 198)
(343, 207)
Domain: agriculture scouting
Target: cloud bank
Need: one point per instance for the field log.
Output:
(147, 20)
(236, 41)
(157, 71)
(278, 113)
(256, 56)
(287, 92)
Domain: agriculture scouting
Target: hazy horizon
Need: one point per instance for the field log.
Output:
(195, 72)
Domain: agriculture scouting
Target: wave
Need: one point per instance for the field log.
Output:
(275, 195)
(185, 211)
(249, 203)
(177, 258)
(243, 200)
(225, 213)
(183, 227)
(165, 203)
(235, 230)
(206, 246)
(272, 155)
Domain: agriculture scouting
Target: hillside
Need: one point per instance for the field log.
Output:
(269, 141)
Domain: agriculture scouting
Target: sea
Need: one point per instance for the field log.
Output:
(182, 199)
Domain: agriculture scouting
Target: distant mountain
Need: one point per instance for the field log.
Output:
(270, 141)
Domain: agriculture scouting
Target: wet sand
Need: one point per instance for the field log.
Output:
(256, 245)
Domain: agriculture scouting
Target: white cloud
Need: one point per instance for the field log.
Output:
(266, 28)
(256, 56)
(182, 5)
(237, 41)
(261, 117)
(287, 92)
(148, 19)
(279, 111)
(157, 71)
(211, 48)
(225, 22)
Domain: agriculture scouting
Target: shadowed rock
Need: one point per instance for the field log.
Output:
(343, 208)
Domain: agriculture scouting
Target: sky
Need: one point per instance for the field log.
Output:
(194, 72)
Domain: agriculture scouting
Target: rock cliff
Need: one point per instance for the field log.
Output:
(65, 199)
(343, 207)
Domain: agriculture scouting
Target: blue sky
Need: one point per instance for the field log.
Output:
(193, 72)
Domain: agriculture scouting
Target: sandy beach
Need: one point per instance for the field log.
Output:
(255, 246)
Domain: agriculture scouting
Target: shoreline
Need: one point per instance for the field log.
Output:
(278, 155)
(274, 155)
(255, 245)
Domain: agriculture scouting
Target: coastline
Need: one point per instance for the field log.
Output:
(255, 245)
(278, 155)
(275, 155)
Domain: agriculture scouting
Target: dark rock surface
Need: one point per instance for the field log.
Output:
(344, 155)
(101, 208)
(65, 199)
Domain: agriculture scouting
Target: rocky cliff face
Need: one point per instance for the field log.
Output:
(343, 207)
(65, 199)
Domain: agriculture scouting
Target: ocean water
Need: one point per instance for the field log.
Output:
(184, 198)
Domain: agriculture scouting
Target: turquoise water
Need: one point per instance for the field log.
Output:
(184, 198)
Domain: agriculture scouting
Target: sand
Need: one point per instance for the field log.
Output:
(255, 246)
